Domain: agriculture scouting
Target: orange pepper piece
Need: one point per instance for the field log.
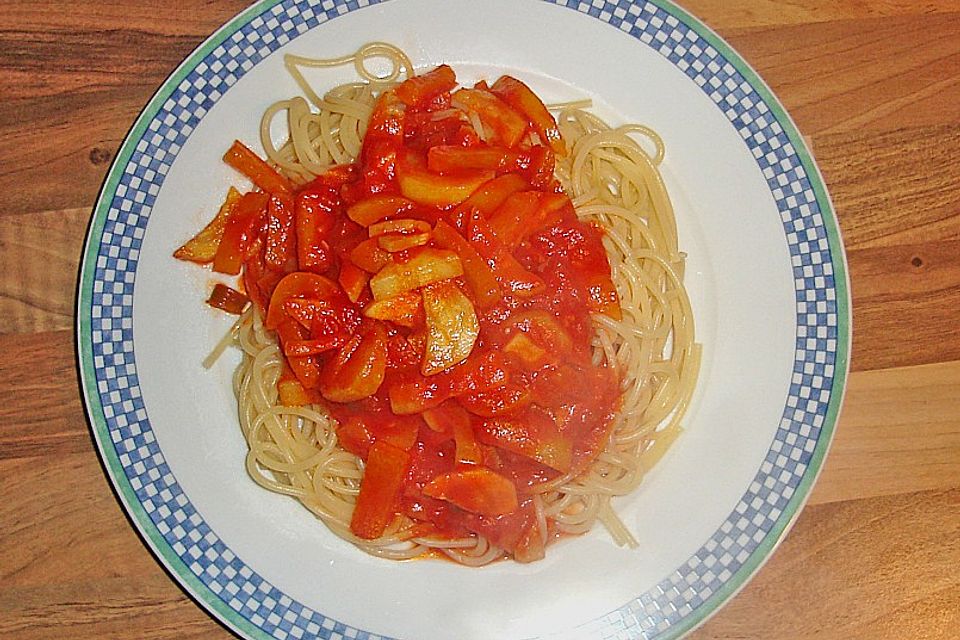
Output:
(476, 489)
(523, 99)
(240, 157)
(377, 503)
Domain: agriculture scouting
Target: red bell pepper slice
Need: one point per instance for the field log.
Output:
(382, 142)
(377, 503)
(451, 159)
(478, 274)
(281, 240)
(292, 393)
(316, 213)
(419, 89)
(353, 279)
(487, 198)
(311, 347)
(370, 256)
(358, 368)
(357, 431)
(305, 368)
(523, 99)
(532, 434)
(239, 233)
(375, 208)
(510, 273)
(240, 157)
(497, 400)
(475, 489)
(513, 219)
(202, 247)
(299, 284)
(537, 166)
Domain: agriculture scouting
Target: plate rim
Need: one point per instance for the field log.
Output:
(213, 602)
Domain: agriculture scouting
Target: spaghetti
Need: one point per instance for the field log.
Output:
(614, 182)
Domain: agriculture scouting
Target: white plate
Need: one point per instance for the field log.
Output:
(766, 274)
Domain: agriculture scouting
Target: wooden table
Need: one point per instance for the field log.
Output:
(873, 84)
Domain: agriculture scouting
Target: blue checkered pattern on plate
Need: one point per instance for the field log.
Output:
(652, 614)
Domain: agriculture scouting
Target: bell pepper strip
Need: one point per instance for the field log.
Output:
(202, 247)
(376, 208)
(353, 279)
(358, 368)
(497, 400)
(452, 159)
(305, 310)
(452, 327)
(519, 96)
(422, 88)
(336, 177)
(442, 417)
(533, 434)
(357, 431)
(399, 431)
(255, 270)
(311, 347)
(305, 368)
(299, 284)
(370, 256)
(537, 165)
(292, 393)
(377, 502)
(353, 434)
(555, 208)
(405, 309)
(316, 214)
(382, 142)
(427, 129)
(238, 233)
(451, 418)
(512, 220)
(478, 274)
(425, 187)
(280, 248)
(507, 125)
(510, 273)
(487, 198)
(227, 299)
(488, 370)
(475, 489)
(427, 266)
(417, 394)
(240, 157)
(468, 449)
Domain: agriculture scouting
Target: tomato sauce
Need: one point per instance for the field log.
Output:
(436, 297)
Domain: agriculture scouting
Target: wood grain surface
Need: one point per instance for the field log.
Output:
(874, 85)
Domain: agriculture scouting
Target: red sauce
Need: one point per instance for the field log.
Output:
(457, 361)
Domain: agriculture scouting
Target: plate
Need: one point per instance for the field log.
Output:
(766, 274)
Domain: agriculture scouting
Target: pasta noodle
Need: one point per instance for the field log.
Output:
(614, 181)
